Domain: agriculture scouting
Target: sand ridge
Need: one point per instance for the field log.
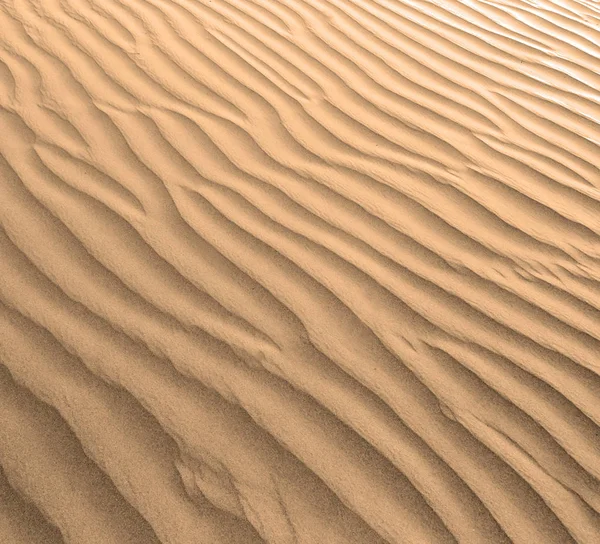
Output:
(299, 271)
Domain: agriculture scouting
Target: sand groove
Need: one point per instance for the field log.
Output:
(299, 271)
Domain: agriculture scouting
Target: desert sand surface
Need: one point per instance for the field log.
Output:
(299, 271)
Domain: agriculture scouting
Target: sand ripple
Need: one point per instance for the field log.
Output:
(299, 271)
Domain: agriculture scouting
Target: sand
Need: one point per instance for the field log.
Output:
(299, 271)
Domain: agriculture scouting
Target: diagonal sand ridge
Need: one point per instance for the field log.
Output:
(299, 271)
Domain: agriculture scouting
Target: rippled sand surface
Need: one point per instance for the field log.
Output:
(299, 271)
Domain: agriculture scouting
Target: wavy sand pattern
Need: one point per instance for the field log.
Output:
(299, 271)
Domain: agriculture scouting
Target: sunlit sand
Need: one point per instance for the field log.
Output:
(299, 271)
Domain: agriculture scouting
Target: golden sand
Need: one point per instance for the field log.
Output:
(299, 271)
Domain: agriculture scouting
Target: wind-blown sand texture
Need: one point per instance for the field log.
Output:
(299, 271)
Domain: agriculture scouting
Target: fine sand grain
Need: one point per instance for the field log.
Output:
(299, 271)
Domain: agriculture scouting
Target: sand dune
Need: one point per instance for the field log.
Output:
(299, 271)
